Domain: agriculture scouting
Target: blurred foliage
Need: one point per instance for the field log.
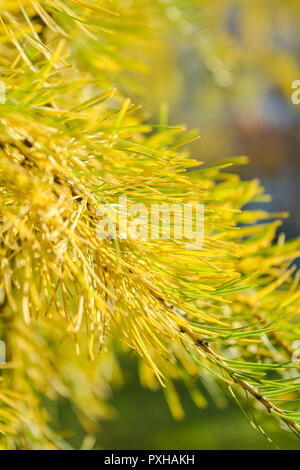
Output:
(227, 68)
(217, 319)
(143, 421)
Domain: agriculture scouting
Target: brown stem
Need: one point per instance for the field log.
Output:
(204, 346)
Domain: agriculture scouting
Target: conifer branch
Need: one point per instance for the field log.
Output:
(247, 387)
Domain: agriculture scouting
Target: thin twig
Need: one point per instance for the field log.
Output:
(206, 349)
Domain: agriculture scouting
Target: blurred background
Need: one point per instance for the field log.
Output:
(142, 420)
(226, 68)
